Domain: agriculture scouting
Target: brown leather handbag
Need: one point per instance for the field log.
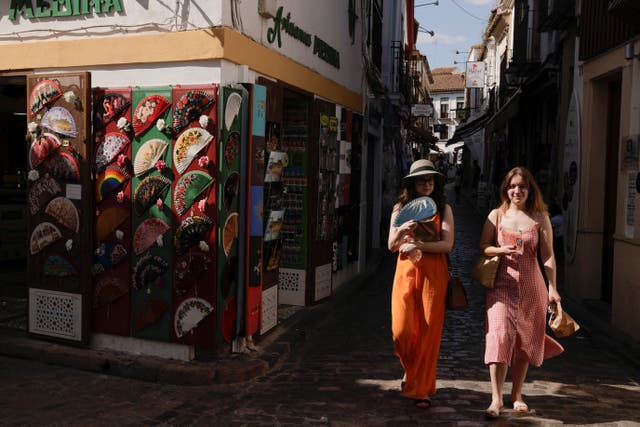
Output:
(456, 295)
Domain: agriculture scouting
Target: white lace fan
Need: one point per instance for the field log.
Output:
(231, 109)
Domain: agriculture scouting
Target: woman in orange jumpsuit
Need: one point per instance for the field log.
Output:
(419, 287)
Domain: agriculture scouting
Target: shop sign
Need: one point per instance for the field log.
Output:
(61, 8)
(420, 110)
(321, 48)
(475, 74)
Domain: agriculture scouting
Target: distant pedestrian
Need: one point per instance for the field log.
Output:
(420, 282)
(517, 305)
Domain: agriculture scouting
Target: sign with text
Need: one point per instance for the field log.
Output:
(475, 74)
(421, 110)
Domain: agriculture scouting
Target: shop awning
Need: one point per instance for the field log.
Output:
(468, 128)
(505, 113)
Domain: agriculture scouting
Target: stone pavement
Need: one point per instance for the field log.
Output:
(335, 366)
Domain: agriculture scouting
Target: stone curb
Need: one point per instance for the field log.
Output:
(274, 348)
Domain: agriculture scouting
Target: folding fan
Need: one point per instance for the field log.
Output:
(230, 189)
(109, 107)
(189, 108)
(148, 154)
(108, 255)
(188, 188)
(65, 212)
(189, 314)
(148, 268)
(417, 209)
(64, 166)
(149, 312)
(231, 147)
(148, 191)
(147, 233)
(231, 109)
(108, 289)
(42, 148)
(57, 266)
(109, 181)
(108, 221)
(59, 120)
(109, 148)
(147, 111)
(189, 269)
(42, 236)
(230, 232)
(41, 192)
(43, 93)
(191, 230)
(188, 145)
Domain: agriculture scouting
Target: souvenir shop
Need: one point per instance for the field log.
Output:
(171, 210)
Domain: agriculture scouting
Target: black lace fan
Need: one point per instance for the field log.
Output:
(191, 231)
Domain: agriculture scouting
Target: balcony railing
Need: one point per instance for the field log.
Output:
(400, 79)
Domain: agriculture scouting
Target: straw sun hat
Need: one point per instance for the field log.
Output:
(422, 167)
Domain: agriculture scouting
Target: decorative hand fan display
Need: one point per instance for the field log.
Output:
(148, 154)
(42, 236)
(43, 93)
(189, 108)
(417, 209)
(59, 120)
(108, 289)
(229, 232)
(109, 107)
(191, 231)
(109, 220)
(188, 188)
(148, 110)
(230, 189)
(41, 192)
(109, 181)
(148, 268)
(42, 148)
(231, 109)
(149, 312)
(64, 166)
(57, 266)
(108, 255)
(149, 190)
(231, 147)
(189, 269)
(147, 233)
(109, 148)
(188, 145)
(65, 212)
(189, 314)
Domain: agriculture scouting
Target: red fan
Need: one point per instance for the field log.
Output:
(42, 94)
(42, 147)
(189, 107)
(109, 107)
(148, 110)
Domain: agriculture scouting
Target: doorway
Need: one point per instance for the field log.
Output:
(13, 227)
(614, 88)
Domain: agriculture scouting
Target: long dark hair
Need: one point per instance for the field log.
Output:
(535, 203)
(408, 192)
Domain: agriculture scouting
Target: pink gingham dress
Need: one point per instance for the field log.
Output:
(517, 305)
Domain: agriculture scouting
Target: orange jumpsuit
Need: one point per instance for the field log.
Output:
(417, 318)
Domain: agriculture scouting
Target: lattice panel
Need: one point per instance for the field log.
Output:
(292, 286)
(269, 309)
(55, 314)
(323, 282)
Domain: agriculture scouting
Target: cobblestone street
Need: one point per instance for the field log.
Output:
(343, 372)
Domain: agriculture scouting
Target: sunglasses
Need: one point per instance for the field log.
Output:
(423, 179)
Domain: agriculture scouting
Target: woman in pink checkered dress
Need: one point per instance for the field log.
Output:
(517, 305)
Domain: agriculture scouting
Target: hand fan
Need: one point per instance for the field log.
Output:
(41, 192)
(59, 120)
(57, 266)
(417, 209)
(149, 312)
(148, 191)
(109, 148)
(231, 109)
(43, 93)
(65, 212)
(147, 233)
(189, 188)
(109, 107)
(189, 108)
(148, 268)
(147, 111)
(189, 144)
(189, 314)
(107, 290)
(109, 181)
(42, 147)
(148, 154)
(192, 229)
(42, 236)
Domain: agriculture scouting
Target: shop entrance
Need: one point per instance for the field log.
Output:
(13, 169)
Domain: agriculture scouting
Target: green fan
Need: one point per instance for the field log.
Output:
(188, 188)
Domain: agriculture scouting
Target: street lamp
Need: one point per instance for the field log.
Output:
(424, 30)
(435, 3)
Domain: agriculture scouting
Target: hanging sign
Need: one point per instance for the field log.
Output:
(475, 74)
